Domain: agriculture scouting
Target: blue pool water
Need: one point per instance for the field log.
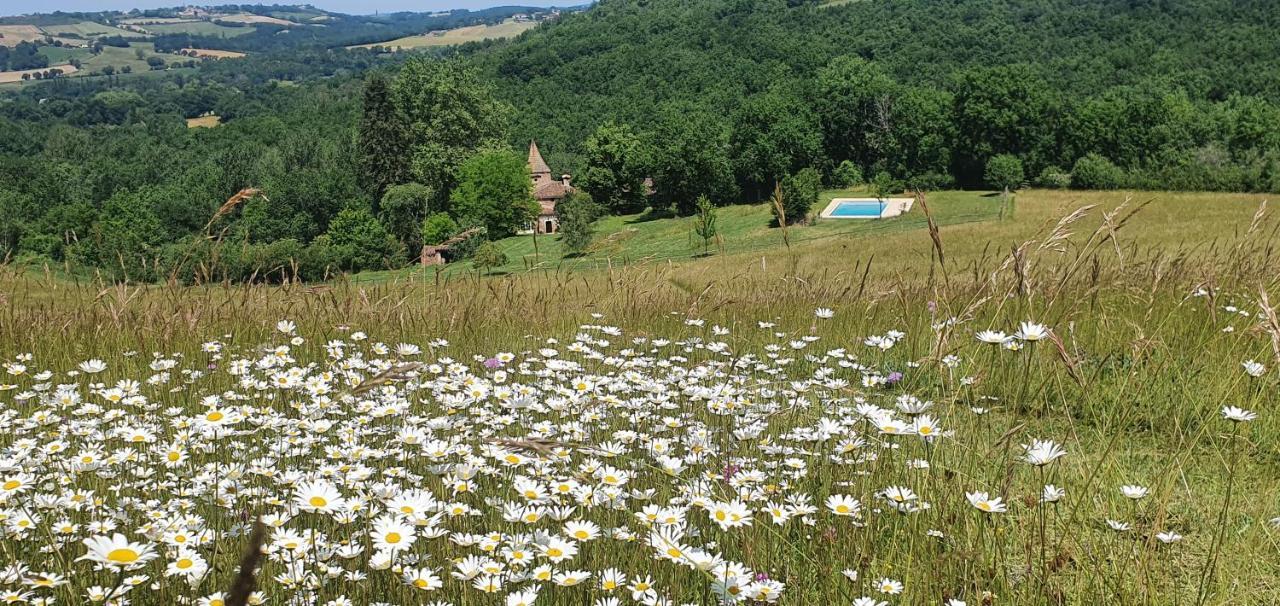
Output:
(860, 208)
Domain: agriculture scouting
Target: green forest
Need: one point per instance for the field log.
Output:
(360, 157)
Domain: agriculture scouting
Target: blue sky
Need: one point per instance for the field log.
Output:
(13, 7)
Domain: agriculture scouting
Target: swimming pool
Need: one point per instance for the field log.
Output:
(866, 208)
(858, 208)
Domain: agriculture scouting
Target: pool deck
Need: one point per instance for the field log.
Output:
(892, 207)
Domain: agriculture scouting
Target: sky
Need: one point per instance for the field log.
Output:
(356, 7)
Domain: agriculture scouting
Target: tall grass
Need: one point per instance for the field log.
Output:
(1147, 345)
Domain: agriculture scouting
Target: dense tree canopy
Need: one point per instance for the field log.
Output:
(716, 98)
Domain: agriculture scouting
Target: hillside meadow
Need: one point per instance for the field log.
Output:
(768, 425)
(1170, 222)
(470, 33)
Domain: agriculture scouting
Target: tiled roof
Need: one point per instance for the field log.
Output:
(536, 164)
(552, 190)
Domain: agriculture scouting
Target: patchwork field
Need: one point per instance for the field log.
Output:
(507, 29)
(118, 57)
(89, 29)
(115, 57)
(1074, 404)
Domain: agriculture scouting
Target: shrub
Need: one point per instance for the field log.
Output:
(847, 175)
(437, 228)
(361, 242)
(1004, 172)
(799, 193)
(884, 185)
(489, 256)
(1053, 177)
(931, 181)
(1092, 171)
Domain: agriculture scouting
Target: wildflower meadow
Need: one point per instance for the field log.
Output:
(1073, 416)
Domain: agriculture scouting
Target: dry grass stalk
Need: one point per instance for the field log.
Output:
(395, 374)
(780, 208)
(1272, 322)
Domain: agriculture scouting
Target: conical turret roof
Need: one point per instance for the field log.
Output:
(536, 164)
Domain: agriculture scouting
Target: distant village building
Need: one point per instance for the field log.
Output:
(547, 191)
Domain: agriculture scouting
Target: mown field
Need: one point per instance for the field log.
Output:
(12, 35)
(115, 57)
(198, 28)
(746, 233)
(472, 33)
(800, 426)
(88, 29)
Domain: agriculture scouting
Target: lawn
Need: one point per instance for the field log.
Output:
(767, 425)
(506, 29)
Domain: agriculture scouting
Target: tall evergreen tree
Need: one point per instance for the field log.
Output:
(384, 157)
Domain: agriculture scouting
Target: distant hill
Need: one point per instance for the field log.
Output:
(83, 44)
(262, 28)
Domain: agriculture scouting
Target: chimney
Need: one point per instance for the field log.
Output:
(565, 180)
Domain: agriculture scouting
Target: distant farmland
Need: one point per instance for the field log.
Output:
(198, 28)
(89, 29)
(212, 53)
(11, 77)
(204, 122)
(472, 33)
(12, 35)
(249, 18)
